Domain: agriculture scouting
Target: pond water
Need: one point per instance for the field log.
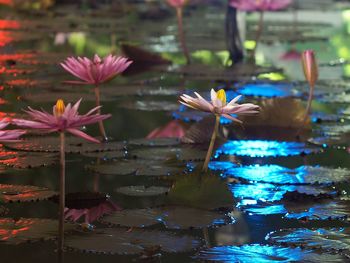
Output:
(268, 196)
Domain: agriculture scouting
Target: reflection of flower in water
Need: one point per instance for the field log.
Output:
(291, 55)
(174, 129)
(91, 214)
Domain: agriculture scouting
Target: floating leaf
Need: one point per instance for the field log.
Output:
(165, 153)
(29, 230)
(282, 175)
(173, 217)
(135, 167)
(23, 193)
(30, 160)
(260, 148)
(328, 240)
(123, 242)
(141, 190)
(133, 218)
(150, 105)
(73, 145)
(264, 253)
(105, 155)
(158, 142)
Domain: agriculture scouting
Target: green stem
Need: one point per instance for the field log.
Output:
(100, 123)
(258, 33)
(182, 35)
(62, 192)
(308, 109)
(212, 142)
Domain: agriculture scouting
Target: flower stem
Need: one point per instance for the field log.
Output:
(100, 123)
(212, 142)
(182, 34)
(62, 191)
(258, 33)
(308, 109)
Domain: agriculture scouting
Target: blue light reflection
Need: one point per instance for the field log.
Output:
(268, 90)
(281, 175)
(261, 148)
(264, 254)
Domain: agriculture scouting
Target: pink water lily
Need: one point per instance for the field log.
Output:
(64, 118)
(9, 135)
(260, 5)
(97, 70)
(218, 105)
(177, 3)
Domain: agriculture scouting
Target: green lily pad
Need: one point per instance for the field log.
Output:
(123, 242)
(73, 145)
(142, 191)
(173, 217)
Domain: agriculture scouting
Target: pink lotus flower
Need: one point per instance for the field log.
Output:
(173, 129)
(177, 3)
(9, 135)
(96, 71)
(63, 119)
(218, 105)
(260, 5)
(91, 214)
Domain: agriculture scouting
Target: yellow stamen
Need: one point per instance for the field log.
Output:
(221, 95)
(60, 107)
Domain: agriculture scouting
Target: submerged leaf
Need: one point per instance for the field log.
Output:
(202, 191)
(120, 241)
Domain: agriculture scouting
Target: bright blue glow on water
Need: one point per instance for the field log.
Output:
(263, 209)
(261, 148)
(221, 165)
(262, 192)
(281, 175)
(268, 90)
(262, 254)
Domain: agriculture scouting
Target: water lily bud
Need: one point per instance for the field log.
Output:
(310, 67)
